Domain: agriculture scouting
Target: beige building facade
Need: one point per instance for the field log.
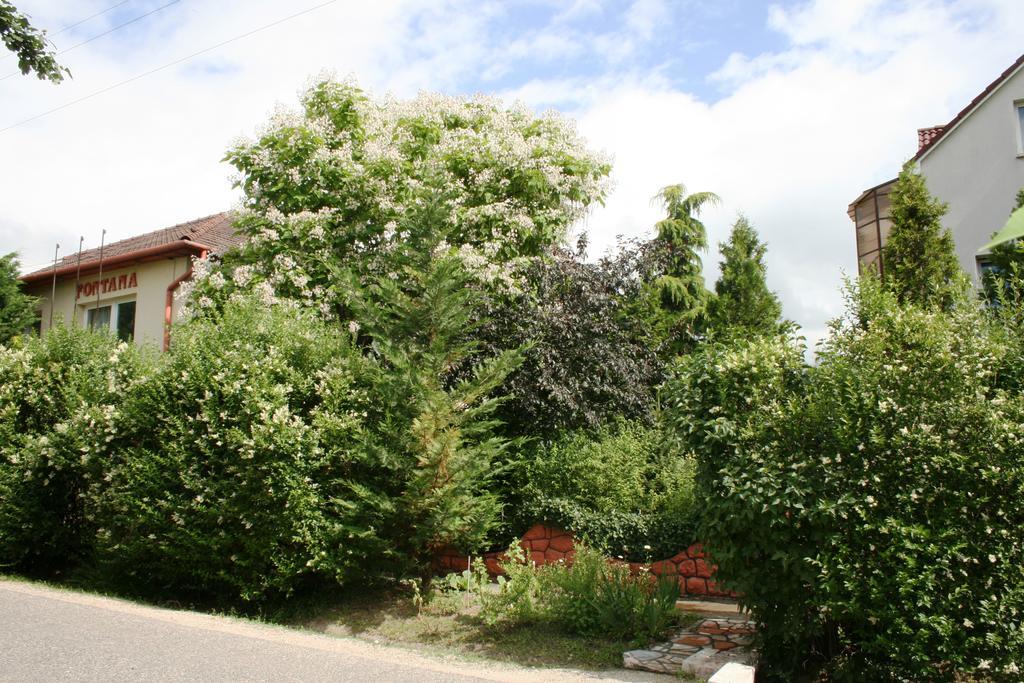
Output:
(129, 286)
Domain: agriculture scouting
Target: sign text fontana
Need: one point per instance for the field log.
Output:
(107, 284)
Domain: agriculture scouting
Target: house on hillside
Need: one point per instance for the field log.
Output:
(128, 286)
(975, 163)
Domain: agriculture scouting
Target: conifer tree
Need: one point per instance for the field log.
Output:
(435, 440)
(681, 287)
(743, 305)
(674, 296)
(919, 259)
(17, 309)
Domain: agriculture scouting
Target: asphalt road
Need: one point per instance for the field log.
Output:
(50, 634)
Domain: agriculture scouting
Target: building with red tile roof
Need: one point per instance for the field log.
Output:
(128, 286)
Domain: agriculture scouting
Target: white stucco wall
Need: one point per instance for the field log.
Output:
(978, 168)
(150, 295)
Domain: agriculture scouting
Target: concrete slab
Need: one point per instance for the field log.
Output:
(734, 672)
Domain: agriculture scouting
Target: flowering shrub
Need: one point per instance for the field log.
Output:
(331, 188)
(263, 451)
(871, 520)
(58, 397)
(218, 480)
(717, 404)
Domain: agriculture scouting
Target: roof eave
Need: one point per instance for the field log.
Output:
(965, 113)
(852, 208)
(178, 247)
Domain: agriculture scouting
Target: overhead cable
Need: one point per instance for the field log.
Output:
(166, 66)
(105, 33)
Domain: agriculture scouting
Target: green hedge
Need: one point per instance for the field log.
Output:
(263, 453)
(869, 508)
(58, 397)
(218, 477)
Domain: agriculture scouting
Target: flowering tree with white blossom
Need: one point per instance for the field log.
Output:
(336, 190)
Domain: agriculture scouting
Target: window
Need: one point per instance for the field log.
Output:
(98, 318)
(985, 266)
(126, 320)
(117, 317)
(1020, 127)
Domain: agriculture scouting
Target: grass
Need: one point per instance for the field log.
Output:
(450, 622)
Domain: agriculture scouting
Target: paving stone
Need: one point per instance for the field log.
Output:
(703, 649)
(693, 639)
(642, 655)
(699, 651)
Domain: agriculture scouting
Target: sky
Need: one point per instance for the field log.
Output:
(787, 110)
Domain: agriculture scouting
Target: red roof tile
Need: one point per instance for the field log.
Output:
(215, 232)
(926, 135)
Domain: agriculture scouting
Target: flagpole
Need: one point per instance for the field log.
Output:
(78, 275)
(95, 315)
(53, 288)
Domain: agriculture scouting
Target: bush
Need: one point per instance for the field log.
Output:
(589, 596)
(58, 395)
(718, 403)
(605, 471)
(614, 487)
(433, 439)
(586, 363)
(1006, 312)
(872, 522)
(251, 460)
(17, 309)
(222, 474)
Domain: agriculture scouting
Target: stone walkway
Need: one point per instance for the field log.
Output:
(699, 650)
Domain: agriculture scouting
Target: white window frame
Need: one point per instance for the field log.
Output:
(89, 312)
(114, 309)
(1018, 122)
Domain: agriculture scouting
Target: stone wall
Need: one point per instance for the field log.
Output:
(547, 545)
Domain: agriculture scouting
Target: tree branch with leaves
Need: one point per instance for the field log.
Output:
(29, 45)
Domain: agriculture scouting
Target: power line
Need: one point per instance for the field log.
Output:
(119, 26)
(100, 35)
(92, 16)
(167, 65)
(77, 23)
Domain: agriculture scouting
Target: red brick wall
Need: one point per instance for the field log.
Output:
(547, 545)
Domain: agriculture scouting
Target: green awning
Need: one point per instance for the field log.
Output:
(1014, 229)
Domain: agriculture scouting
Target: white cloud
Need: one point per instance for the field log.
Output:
(797, 134)
(801, 133)
(147, 155)
(644, 17)
(578, 8)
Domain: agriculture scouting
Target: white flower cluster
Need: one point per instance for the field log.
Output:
(190, 305)
(331, 188)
